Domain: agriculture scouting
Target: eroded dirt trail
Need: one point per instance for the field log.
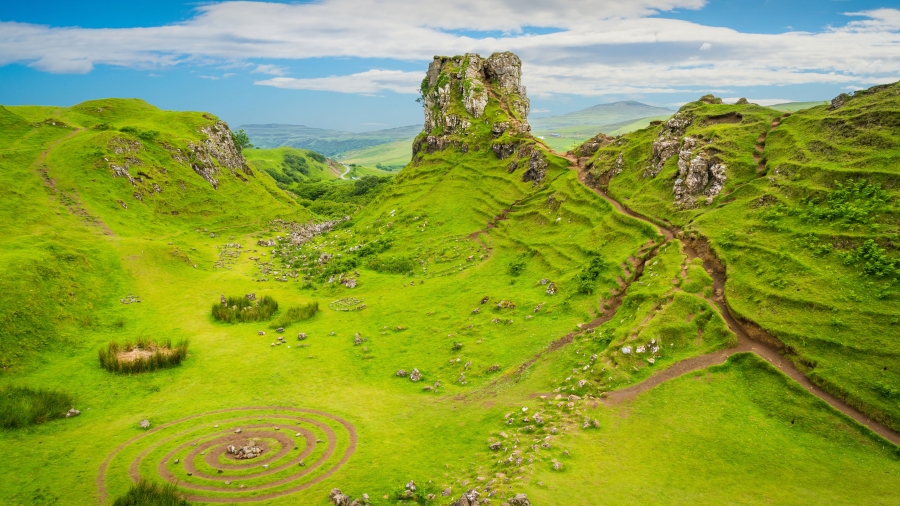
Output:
(751, 338)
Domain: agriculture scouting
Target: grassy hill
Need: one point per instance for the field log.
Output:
(393, 155)
(288, 165)
(805, 226)
(327, 142)
(796, 106)
(464, 330)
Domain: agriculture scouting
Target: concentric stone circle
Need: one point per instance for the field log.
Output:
(301, 447)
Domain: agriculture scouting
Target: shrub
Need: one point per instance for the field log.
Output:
(588, 276)
(392, 265)
(296, 314)
(21, 406)
(296, 163)
(241, 140)
(516, 267)
(145, 356)
(239, 309)
(147, 493)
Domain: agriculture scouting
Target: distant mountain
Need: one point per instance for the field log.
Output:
(327, 142)
(602, 114)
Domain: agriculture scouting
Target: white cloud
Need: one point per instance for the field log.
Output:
(600, 46)
(366, 83)
(539, 111)
(272, 70)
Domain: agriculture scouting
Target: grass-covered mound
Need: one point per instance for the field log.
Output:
(295, 314)
(148, 493)
(22, 406)
(142, 356)
(243, 310)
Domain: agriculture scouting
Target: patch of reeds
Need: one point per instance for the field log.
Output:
(148, 493)
(241, 310)
(295, 314)
(142, 356)
(21, 406)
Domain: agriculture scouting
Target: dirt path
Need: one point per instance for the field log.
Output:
(764, 345)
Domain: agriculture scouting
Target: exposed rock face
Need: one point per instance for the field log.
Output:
(667, 142)
(697, 174)
(220, 146)
(839, 101)
(591, 146)
(475, 81)
(537, 167)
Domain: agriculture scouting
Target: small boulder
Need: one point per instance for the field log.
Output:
(144, 424)
(301, 336)
(402, 373)
(338, 498)
(72, 412)
(415, 375)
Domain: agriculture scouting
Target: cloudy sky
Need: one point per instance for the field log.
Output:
(355, 64)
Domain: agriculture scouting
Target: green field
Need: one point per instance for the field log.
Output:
(513, 296)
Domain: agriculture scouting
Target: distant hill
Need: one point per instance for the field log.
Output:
(797, 106)
(602, 114)
(327, 142)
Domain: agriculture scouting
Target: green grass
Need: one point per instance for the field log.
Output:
(23, 406)
(147, 493)
(160, 355)
(242, 310)
(296, 314)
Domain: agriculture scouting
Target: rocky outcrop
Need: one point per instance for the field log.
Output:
(537, 167)
(592, 145)
(667, 141)
(218, 145)
(456, 91)
(698, 173)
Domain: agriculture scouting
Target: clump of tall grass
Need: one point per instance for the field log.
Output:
(296, 314)
(239, 309)
(21, 406)
(148, 493)
(142, 356)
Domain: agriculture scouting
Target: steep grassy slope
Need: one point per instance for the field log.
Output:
(805, 224)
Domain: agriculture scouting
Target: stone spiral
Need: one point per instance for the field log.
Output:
(300, 447)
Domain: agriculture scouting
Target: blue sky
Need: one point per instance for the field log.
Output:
(354, 64)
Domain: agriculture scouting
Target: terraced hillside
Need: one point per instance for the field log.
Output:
(482, 327)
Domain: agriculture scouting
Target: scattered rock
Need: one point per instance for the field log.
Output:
(402, 373)
(261, 332)
(301, 336)
(338, 498)
(250, 451)
(415, 375)
(144, 424)
(72, 412)
(551, 289)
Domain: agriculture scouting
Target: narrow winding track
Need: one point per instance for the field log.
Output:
(765, 350)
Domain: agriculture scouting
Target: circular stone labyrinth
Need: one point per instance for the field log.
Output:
(301, 447)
